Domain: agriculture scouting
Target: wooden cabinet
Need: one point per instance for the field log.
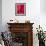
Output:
(22, 33)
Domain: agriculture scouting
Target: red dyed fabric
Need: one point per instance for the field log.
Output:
(20, 9)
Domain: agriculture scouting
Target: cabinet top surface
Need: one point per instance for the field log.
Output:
(19, 23)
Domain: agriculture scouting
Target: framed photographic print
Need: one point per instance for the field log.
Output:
(20, 9)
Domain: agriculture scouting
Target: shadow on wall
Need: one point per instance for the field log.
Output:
(0, 15)
(43, 6)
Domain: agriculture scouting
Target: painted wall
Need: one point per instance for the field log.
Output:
(0, 15)
(33, 13)
(43, 14)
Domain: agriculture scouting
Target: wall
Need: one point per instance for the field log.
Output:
(43, 14)
(32, 10)
(0, 15)
(33, 13)
(43, 6)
